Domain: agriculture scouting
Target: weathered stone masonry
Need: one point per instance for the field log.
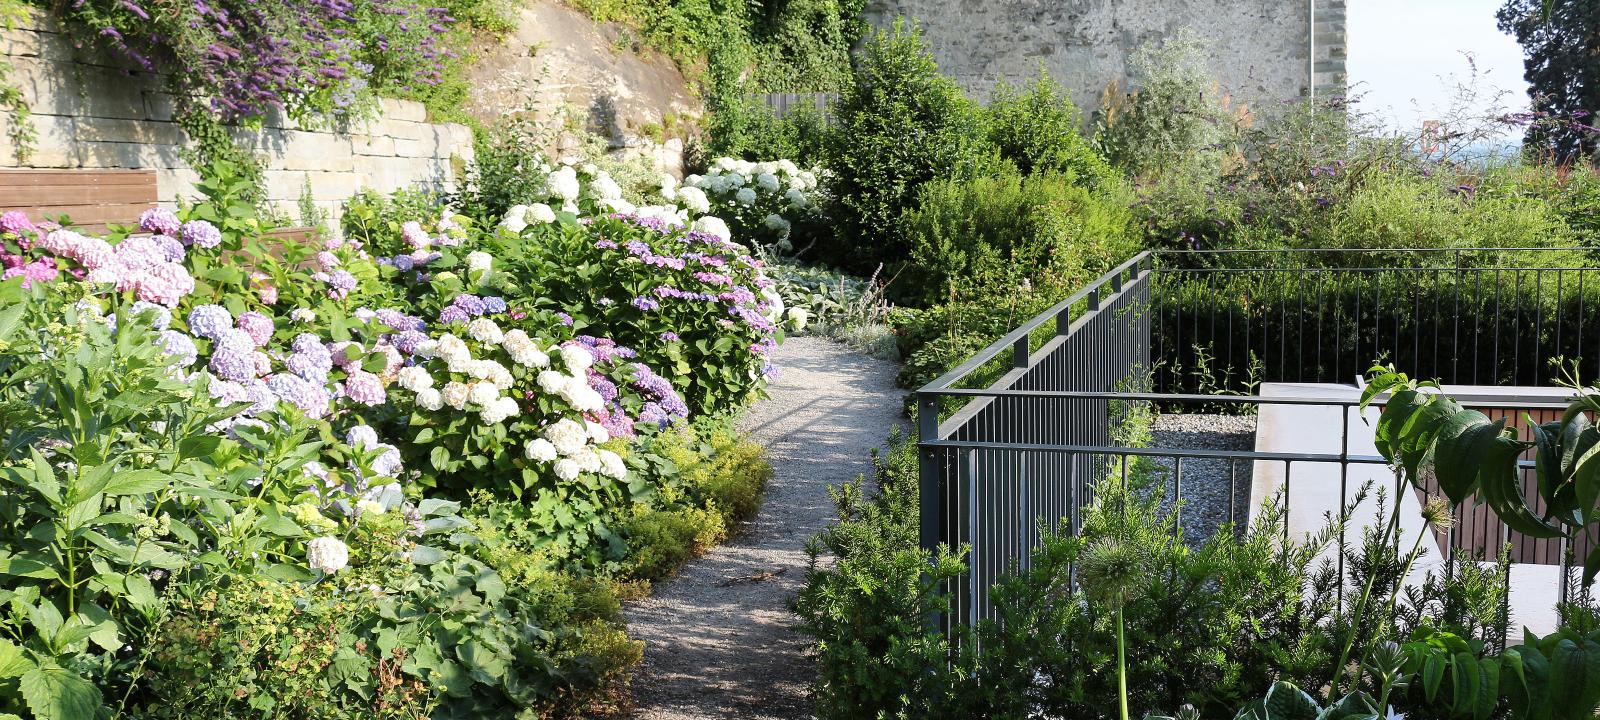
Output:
(92, 111)
(1259, 47)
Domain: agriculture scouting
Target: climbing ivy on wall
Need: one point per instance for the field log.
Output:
(19, 125)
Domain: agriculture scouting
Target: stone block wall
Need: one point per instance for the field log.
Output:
(1259, 48)
(91, 110)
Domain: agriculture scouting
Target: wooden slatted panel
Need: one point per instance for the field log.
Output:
(91, 198)
(1480, 534)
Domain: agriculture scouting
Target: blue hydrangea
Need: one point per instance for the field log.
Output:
(307, 343)
(233, 341)
(179, 346)
(201, 233)
(158, 316)
(208, 321)
(234, 366)
(494, 304)
(311, 398)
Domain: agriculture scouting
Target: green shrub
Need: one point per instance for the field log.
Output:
(898, 125)
(1173, 122)
(1008, 231)
(1036, 126)
(661, 541)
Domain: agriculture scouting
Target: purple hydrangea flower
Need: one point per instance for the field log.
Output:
(646, 303)
(408, 341)
(258, 326)
(399, 320)
(470, 304)
(233, 340)
(208, 321)
(453, 314)
(365, 388)
(200, 233)
(311, 398)
(15, 222)
(171, 249)
(494, 304)
(670, 337)
(234, 366)
(158, 316)
(160, 221)
(179, 346)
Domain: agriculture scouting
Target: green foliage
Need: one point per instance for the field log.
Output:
(1036, 126)
(115, 483)
(897, 126)
(1173, 122)
(1008, 231)
(1556, 677)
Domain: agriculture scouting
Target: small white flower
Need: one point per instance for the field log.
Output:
(455, 394)
(483, 393)
(541, 212)
(540, 449)
(327, 554)
(563, 183)
(611, 465)
(694, 199)
(552, 382)
(302, 315)
(714, 226)
(566, 469)
(414, 378)
(577, 359)
(430, 399)
(566, 436)
(485, 331)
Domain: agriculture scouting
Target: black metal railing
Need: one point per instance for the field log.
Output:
(1021, 455)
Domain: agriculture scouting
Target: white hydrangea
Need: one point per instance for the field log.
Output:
(798, 318)
(483, 393)
(694, 199)
(528, 355)
(455, 394)
(796, 198)
(479, 261)
(776, 222)
(430, 399)
(498, 410)
(618, 205)
(450, 347)
(577, 359)
(745, 196)
(714, 226)
(566, 469)
(552, 382)
(485, 331)
(540, 212)
(597, 432)
(516, 219)
(669, 187)
(768, 182)
(327, 554)
(604, 188)
(302, 315)
(566, 436)
(414, 378)
(563, 183)
(611, 465)
(540, 449)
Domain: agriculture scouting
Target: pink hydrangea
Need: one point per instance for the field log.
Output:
(365, 388)
(90, 252)
(139, 252)
(327, 261)
(164, 284)
(259, 327)
(40, 271)
(160, 221)
(15, 222)
(346, 354)
(414, 235)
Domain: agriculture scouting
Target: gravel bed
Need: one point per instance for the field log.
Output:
(719, 636)
(1212, 489)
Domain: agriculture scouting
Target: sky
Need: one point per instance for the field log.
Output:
(1403, 55)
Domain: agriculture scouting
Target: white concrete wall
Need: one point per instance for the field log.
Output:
(91, 110)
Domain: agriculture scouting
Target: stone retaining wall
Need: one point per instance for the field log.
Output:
(91, 110)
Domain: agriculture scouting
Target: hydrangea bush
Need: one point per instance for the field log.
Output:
(695, 306)
(761, 202)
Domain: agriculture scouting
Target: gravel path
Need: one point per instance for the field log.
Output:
(719, 641)
(1212, 488)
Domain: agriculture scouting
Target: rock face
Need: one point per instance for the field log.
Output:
(561, 66)
(1259, 47)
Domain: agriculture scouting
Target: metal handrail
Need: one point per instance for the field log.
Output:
(1019, 337)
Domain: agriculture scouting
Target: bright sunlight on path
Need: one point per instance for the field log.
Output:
(718, 636)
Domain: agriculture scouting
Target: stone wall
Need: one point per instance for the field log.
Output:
(1259, 47)
(91, 110)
